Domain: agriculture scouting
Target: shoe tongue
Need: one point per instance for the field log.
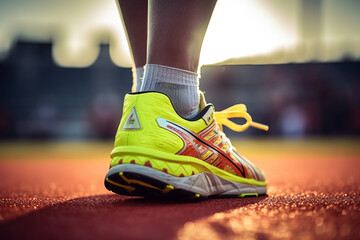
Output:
(209, 114)
(202, 101)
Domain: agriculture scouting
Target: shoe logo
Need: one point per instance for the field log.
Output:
(132, 122)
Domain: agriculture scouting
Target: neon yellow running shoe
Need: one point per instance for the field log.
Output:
(158, 153)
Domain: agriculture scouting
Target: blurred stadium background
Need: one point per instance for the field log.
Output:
(65, 67)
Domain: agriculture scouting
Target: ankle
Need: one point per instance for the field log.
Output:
(181, 86)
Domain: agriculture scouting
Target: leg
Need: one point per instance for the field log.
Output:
(176, 31)
(134, 17)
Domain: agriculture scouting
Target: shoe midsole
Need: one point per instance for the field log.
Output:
(173, 164)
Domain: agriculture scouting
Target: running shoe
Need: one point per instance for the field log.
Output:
(158, 153)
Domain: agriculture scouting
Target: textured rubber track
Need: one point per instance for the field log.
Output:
(57, 191)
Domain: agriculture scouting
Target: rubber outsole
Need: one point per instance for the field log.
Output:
(140, 185)
(136, 180)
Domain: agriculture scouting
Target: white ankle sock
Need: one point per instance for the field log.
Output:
(180, 85)
(139, 78)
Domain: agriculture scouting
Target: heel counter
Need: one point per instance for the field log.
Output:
(144, 131)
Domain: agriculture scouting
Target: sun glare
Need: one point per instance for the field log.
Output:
(243, 28)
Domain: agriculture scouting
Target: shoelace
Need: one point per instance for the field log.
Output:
(237, 111)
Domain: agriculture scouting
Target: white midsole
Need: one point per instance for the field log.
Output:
(205, 183)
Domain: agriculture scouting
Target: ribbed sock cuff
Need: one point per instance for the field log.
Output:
(139, 78)
(180, 85)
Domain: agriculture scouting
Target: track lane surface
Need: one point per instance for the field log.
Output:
(313, 193)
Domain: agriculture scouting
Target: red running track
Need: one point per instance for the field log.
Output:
(314, 193)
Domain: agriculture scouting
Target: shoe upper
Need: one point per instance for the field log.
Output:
(150, 120)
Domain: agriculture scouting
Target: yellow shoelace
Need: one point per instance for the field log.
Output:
(237, 111)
